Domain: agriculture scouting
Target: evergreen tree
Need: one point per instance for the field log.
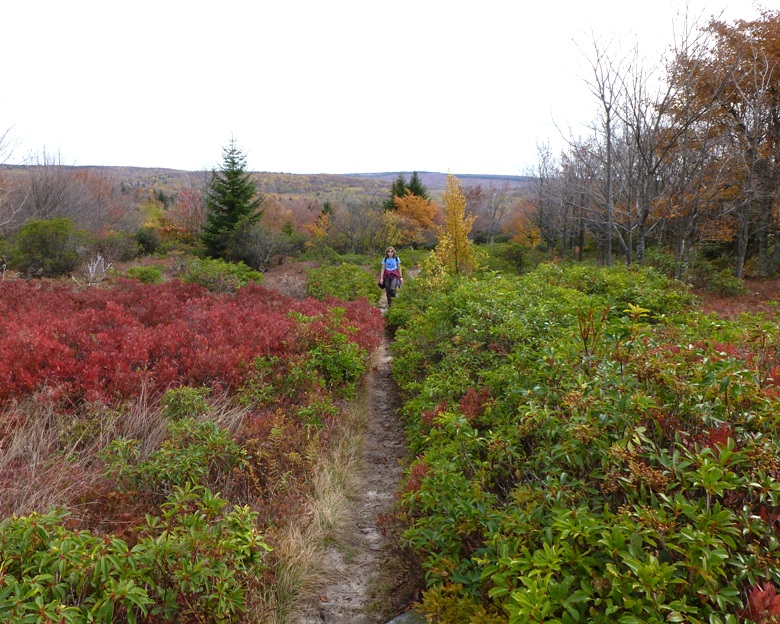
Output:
(416, 187)
(401, 188)
(397, 190)
(232, 201)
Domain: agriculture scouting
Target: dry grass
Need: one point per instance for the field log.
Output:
(48, 457)
(300, 545)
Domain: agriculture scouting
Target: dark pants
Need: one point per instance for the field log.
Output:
(391, 286)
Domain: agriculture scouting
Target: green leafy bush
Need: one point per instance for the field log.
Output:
(48, 248)
(220, 276)
(145, 274)
(504, 257)
(185, 402)
(347, 282)
(724, 282)
(195, 452)
(192, 563)
(621, 285)
(662, 261)
(149, 239)
(576, 463)
(118, 246)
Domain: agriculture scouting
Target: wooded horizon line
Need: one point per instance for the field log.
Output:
(429, 178)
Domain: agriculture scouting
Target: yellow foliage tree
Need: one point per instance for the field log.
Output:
(320, 228)
(455, 252)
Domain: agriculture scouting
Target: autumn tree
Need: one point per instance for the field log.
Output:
(416, 217)
(232, 202)
(454, 251)
(187, 215)
(744, 76)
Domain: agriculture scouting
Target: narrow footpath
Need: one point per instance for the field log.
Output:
(365, 578)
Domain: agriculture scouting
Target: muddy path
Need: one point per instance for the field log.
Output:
(365, 578)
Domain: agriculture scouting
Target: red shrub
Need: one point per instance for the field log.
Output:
(105, 345)
(763, 604)
(428, 416)
(473, 402)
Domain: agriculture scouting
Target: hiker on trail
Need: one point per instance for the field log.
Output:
(391, 276)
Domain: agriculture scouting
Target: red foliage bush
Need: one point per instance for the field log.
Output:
(428, 416)
(101, 345)
(763, 604)
(473, 402)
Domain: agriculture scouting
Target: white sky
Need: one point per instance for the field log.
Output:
(312, 86)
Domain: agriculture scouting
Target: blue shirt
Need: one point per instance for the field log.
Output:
(391, 264)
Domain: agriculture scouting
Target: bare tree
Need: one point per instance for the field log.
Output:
(11, 200)
(496, 207)
(605, 85)
(52, 187)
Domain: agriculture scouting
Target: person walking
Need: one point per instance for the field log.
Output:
(391, 275)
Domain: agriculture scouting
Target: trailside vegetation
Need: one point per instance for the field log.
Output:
(588, 448)
(156, 438)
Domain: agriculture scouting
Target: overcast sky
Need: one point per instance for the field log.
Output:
(312, 86)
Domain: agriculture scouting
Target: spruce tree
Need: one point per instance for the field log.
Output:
(231, 201)
(397, 190)
(416, 187)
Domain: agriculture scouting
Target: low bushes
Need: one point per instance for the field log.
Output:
(128, 409)
(193, 561)
(588, 449)
(218, 275)
(345, 281)
(106, 345)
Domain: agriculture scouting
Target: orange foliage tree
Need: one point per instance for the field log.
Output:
(522, 225)
(738, 90)
(416, 217)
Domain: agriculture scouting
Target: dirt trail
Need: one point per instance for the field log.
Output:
(364, 576)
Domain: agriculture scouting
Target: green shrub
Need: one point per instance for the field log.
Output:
(195, 452)
(321, 253)
(48, 248)
(185, 402)
(574, 462)
(725, 283)
(191, 563)
(340, 362)
(118, 246)
(347, 282)
(219, 275)
(149, 239)
(504, 257)
(661, 260)
(412, 257)
(167, 248)
(145, 274)
(358, 259)
(622, 285)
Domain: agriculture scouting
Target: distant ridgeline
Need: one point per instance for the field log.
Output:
(170, 181)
